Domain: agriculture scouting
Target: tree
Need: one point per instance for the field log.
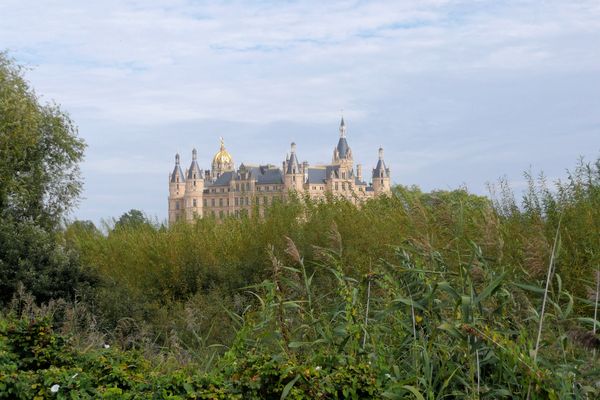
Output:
(132, 218)
(40, 153)
(39, 182)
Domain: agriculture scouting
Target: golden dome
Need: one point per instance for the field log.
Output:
(222, 157)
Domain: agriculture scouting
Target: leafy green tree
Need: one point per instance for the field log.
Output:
(40, 153)
(132, 218)
(40, 181)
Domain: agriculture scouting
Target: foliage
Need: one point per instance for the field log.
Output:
(132, 218)
(39, 181)
(39, 153)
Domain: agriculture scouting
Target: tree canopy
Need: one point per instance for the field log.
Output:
(40, 181)
(40, 153)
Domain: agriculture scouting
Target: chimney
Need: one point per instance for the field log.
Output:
(359, 172)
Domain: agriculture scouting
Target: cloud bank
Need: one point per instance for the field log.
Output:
(456, 91)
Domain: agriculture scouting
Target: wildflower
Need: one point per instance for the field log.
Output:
(106, 346)
(318, 368)
(388, 376)
(54, 388)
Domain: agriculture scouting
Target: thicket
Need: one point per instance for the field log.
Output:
(415, 295)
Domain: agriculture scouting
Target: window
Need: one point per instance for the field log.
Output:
(227, 202)
(212, 202)
(237, 187)
(336, 186)
(343, 175)
(205, 201)
(237, 202)
(177, 205)
(247, 201)
(247, 185)
(194, 183)
(220, 202)
(343, 185)
(194, 202)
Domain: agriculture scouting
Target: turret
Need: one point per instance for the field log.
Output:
(176, 192)
(359, 172)
(381, 176)
(342, 154)
(194, 188)
(293, 174)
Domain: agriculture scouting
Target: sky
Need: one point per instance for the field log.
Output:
(458, 93)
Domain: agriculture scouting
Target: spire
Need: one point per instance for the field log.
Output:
(293, 167)
(381, 171)
(177, 174)
(342, 150)
(194, 172)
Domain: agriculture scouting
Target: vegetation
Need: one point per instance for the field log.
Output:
(39, 181)
(414, 295)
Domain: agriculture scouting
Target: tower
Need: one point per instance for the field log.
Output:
(342, 157)
(176, 192)
(194, 188)
(381, 176)
(342, 154)
(222, 162)
(293, 173)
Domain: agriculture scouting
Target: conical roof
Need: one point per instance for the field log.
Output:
(177, 172)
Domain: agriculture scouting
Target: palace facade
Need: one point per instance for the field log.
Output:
(224, 191)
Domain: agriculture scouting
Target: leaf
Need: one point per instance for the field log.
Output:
(414, 391)
(451, 330)
(445, 286)
(408, 302)
(530, 288)
(490, 289)
(295, 345)
(288, 387)
(590, 321)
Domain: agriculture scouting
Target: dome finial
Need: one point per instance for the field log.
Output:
(381, 153)
(342, 127)
(223, 157)
(194, 155)
(177, 159)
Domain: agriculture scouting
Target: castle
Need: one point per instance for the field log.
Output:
(225, 191)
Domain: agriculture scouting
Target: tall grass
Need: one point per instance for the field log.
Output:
(437, 294)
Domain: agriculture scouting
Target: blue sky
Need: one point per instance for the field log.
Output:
(457, 92)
